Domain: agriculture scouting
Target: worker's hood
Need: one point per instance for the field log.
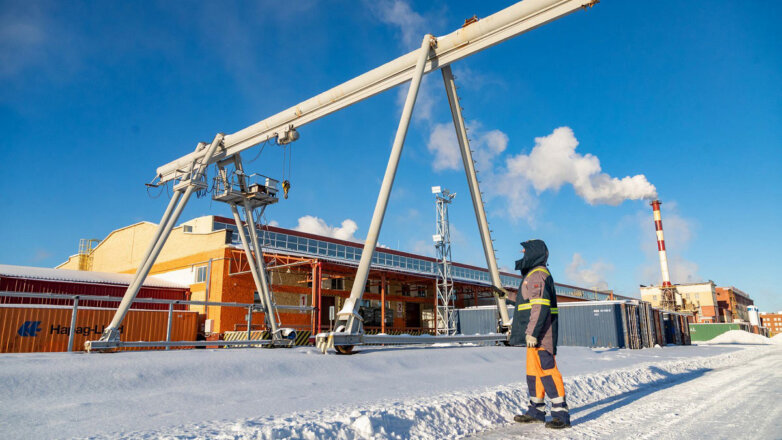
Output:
(535, 254)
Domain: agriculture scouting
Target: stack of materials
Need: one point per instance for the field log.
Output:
(677, 329)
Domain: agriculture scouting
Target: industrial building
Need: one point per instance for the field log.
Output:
(700, 299)
(707, 302)
(772, 321)
(305, 270)
(734, 304)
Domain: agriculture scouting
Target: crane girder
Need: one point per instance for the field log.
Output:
(473, 37)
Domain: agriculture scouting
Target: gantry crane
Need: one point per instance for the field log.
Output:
(189, 172)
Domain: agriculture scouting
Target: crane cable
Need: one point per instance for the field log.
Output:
(286, 155)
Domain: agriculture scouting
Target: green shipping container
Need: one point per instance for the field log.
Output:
(706, 332)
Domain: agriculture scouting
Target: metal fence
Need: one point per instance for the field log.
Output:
(167, 343)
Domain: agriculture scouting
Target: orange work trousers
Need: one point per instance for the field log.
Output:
(543, 376)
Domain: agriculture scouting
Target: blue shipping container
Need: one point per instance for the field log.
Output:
(592, 324)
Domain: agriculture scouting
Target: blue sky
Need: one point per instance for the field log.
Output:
(96, 95)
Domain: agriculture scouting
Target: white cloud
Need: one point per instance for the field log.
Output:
(554, 162)
(274, 223)
(410, 24)
(590, 276)
(318, 226)
(442, 143)
(486, 145)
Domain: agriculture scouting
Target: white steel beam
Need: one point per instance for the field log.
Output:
(475, 192)
(347, 315)
(176, 205)
(475, 37)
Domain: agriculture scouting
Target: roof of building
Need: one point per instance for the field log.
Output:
(701, 283)
(80, 276)
(274, 238)
(735, 290)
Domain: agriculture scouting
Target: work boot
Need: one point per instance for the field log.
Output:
(536, 412)
(556, 423)
(526, 418)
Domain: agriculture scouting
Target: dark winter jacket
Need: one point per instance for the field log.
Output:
(536, 302)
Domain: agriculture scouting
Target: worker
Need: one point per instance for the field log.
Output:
(535, 325)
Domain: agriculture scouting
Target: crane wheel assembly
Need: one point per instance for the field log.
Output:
(344, 349)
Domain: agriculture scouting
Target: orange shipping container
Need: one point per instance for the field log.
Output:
(25, 329)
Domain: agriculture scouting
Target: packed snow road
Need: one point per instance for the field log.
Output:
(730, 402)
(405, 392)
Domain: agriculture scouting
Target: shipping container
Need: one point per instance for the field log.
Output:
(631, 324)
(706, 332)
(31, 328)
(593, 324)
(478, 320)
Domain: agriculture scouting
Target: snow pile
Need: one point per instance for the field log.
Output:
(738, 337)
(380, 392)
(777, 339)
(449, 415)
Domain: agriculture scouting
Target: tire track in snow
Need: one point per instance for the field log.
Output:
(717, 401)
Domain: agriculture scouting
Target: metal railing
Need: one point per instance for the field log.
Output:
(251, 307)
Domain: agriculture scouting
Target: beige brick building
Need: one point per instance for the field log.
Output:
(699, 298)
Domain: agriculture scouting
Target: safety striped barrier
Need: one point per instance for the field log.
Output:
(302, 336)
(413, 332)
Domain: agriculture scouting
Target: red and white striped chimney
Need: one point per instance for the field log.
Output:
(658, 226)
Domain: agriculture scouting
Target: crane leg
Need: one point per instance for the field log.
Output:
(167, 222)
(475, 192)
(348, 319)
(260, 275)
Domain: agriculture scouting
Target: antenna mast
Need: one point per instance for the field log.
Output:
(445, 322)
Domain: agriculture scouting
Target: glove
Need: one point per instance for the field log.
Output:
(532, 341)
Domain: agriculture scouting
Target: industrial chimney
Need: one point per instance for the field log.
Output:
(669, 292)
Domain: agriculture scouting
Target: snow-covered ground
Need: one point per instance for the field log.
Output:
(437, 392)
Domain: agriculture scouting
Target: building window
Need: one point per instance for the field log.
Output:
(200, 274)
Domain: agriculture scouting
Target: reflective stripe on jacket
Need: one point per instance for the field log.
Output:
(536, 311)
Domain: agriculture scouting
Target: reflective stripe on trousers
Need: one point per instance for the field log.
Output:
(544, 378)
